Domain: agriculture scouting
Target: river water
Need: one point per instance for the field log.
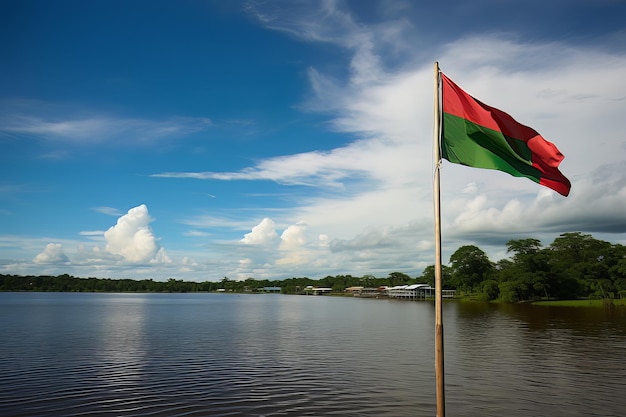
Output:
(79, 354)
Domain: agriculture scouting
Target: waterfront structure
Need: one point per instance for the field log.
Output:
(367, 292)
(311, 290)
(416, 292)
(270, 289)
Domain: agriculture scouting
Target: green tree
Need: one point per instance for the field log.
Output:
(531, 268)
(469, 266)
(585, 263)
(618, 270)
(398, 278)
(428, 276)
(489, 290)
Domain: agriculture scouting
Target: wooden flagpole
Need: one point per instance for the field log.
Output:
(439, 374)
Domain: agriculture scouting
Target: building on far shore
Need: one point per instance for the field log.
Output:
(367, 292)
(311, 290)
(416, 291)
(270, 289)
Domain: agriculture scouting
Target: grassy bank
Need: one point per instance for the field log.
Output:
(581, 303)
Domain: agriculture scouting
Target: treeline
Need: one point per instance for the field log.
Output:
(574, 266)
(68, 283)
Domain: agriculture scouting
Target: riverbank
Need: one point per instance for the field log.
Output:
(582, 303)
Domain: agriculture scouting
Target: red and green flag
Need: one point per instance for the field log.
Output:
(478, 135)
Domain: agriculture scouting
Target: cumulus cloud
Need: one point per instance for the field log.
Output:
(262, 233)
(132, 238)
(596, 206)
(161, 257)
(188, 264)
(293, 246)
(265, 249)
(52, 254)
(293, 237)
(245, 262)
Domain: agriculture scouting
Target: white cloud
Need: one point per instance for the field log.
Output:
(188, 264)
(195, 233)
(188, 261)
(211, 221)
(161, 257)
(38, 119)
(132, 238)
(315, 169)
(261, 234)
(52, 254)
(109, 211)
(470, 188)
(293, 246)
(293, 237)
(93, 235)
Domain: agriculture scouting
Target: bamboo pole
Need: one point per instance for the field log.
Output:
(439, 373)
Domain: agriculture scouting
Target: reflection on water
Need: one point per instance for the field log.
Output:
(122, 341)
(537, 360)
(275, 355)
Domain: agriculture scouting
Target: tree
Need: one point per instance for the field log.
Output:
(523, 247)
(530, 268)
(585, 263)
(428, 276)
(489, 290)
(618, 270)
(398, 278)
(469, 266)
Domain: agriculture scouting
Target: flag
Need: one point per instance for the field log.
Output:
(478, 135)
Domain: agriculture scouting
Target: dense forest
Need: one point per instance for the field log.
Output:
(574, 266)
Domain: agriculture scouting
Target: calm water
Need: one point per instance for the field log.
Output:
(79, 354)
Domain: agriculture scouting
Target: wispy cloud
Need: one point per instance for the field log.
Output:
(9, 189)
(109, 211)
(196, 233)
(89, 233)
(36, 119)
(315, 169)
(212, 221)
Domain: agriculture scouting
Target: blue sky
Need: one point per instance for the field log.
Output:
(199, 140)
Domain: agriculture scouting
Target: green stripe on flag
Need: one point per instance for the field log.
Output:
(464, 142)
